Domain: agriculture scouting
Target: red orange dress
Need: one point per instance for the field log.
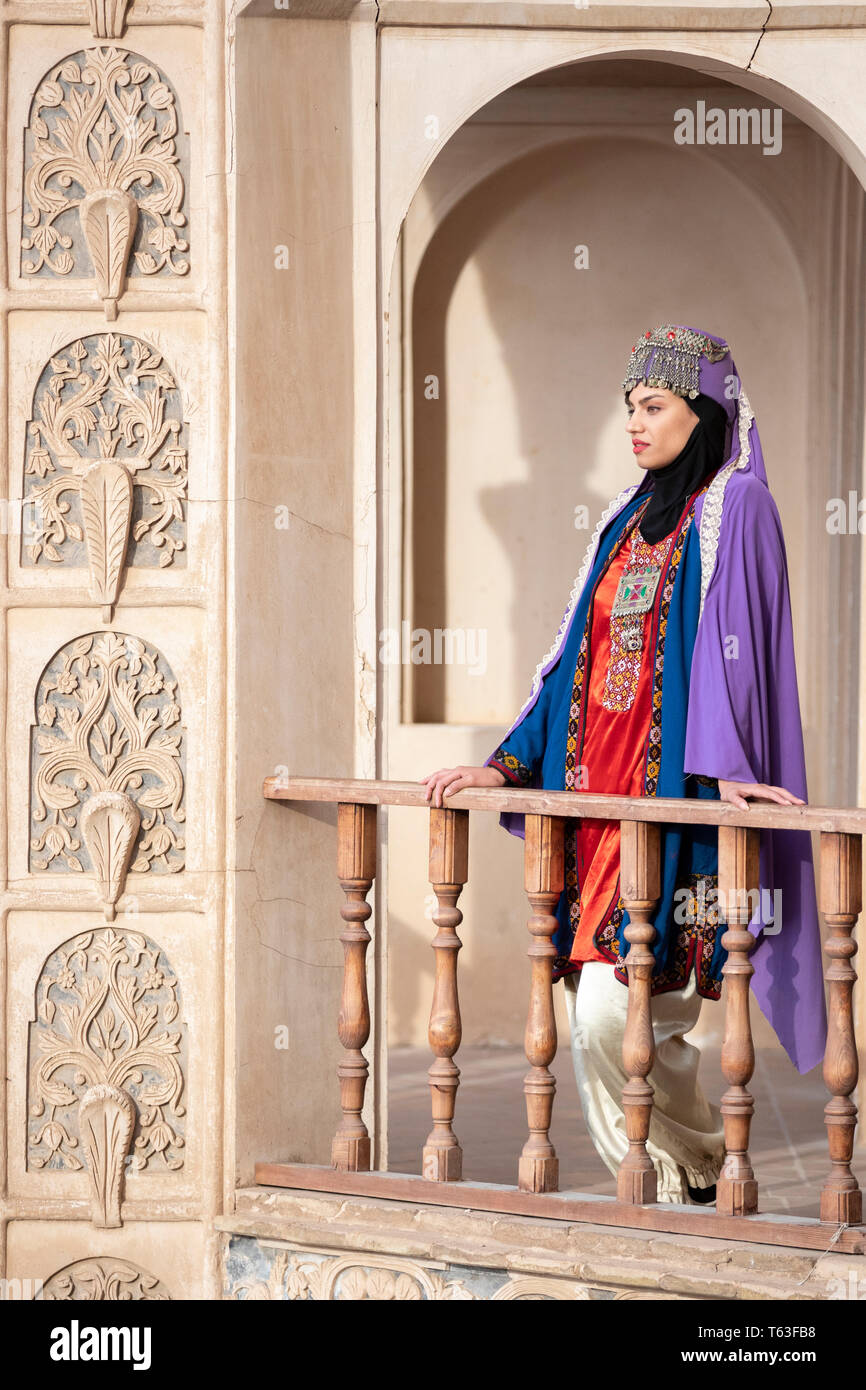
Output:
(617, 705)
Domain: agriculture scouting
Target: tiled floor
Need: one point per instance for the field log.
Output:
(788, 1138)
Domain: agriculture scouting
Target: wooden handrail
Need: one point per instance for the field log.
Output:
(546, 815)
(761, 815)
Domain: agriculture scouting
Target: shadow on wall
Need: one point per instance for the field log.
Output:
(528, 351)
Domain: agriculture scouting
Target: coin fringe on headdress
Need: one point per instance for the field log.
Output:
(673, 355)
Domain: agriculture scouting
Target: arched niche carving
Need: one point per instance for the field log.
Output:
(105, 468)
(102, 176)
(107, 764)
(107, 1064)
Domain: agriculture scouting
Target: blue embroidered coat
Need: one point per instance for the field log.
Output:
(534, 755)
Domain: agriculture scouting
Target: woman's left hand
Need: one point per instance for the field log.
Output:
(736, 793)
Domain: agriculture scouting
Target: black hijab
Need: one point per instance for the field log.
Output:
(702, 453)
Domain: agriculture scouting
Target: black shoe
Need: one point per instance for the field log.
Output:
(703, 1195)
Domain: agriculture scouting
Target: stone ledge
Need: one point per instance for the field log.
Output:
(706, 16)
(594, 1261)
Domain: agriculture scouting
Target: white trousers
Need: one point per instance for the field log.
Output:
(686, 1137)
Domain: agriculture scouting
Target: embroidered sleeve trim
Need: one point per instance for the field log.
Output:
(511, 767)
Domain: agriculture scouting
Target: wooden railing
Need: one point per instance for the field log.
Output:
(536, 1193)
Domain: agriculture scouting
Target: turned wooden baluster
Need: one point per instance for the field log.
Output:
(442, 1159)
(739, 849)
(640, 841)
(356, 869)
(538, 1170)
(841, 901)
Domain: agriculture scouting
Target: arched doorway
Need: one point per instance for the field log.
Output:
(502, 417)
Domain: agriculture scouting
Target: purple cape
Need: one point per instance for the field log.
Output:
(744, 726)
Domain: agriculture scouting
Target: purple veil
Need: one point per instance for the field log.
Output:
(743, 721)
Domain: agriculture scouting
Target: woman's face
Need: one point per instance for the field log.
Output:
(659, 422)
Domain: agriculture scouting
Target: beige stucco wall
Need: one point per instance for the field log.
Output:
(305, 438)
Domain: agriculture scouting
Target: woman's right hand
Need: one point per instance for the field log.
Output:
(457, 779)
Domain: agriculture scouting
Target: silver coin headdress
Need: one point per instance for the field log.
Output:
(671, 356)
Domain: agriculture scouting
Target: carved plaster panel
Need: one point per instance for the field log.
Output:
(103, 1279)
(258, 1272)
(107, 1064)
(107, 764)
(102, 177)
(105, 472)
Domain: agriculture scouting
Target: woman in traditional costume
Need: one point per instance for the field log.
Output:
(672, 674)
